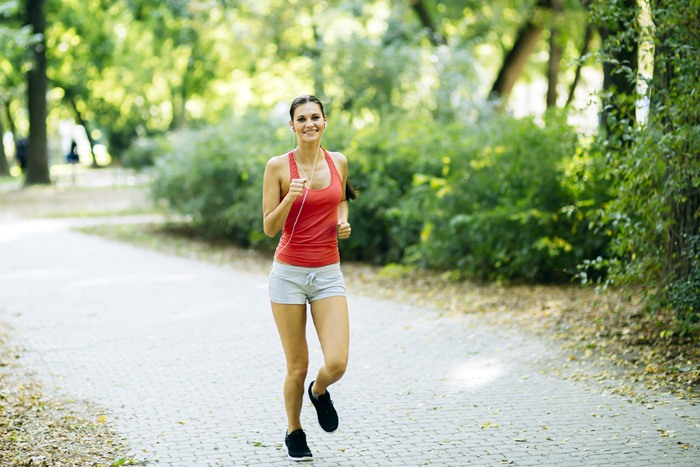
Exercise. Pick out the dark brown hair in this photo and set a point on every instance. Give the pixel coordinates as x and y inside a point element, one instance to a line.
<point>303,100</point>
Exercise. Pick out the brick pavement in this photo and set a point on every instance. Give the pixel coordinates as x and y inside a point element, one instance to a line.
<point>185,360</point>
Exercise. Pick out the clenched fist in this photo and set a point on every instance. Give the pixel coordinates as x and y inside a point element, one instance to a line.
<point>296,188</point>
<point>343,228</point>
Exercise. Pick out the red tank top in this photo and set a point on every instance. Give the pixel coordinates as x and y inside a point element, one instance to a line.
<point>314,242</point>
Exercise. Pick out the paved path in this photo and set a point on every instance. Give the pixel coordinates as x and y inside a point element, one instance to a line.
<point>185,358</point>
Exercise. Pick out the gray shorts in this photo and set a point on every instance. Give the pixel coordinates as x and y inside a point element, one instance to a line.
<point>295,285</point>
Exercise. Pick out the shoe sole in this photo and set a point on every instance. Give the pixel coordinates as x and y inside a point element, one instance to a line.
<point>300,459</point>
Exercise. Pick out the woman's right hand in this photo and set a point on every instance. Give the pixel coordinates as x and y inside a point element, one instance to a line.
<point>296,188</point>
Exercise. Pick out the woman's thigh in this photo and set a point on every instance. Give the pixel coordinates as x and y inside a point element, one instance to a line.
<point>330,316</point>
<point>291,325</point>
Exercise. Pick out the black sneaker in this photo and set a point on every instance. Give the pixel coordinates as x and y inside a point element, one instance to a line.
<point>297,449</point>
<point>327,416</point>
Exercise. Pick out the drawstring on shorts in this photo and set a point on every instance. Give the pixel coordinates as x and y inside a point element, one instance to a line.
<point>295,285</point>
<point>310,279</point>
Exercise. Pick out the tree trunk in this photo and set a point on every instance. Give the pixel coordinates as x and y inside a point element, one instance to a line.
<point>182,94</point>
<point>37,84</point>
<point>515,61</point>
<point>427,22</point>
<point>587,39</point>
<point>662,78</point>
<point>12,126</point>
<point>10,120</point>
<point>319,82</point>
<point>620,74</point>
<point>555,54</point>
<point>517,57</point>
<point>4,166</point>
<point>179,102</point>
<point>82,122</point>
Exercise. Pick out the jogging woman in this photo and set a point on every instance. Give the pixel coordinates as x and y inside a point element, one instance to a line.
<point>304,196</point>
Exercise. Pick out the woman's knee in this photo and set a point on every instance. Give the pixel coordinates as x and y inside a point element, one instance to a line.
<point>298,370</point>
<point>336,367</point>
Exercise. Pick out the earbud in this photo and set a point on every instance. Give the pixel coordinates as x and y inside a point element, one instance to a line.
<point>291,129</point>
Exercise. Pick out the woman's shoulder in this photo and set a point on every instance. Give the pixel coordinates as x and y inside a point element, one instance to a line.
<point>338,157</point>
<point>278,162</point>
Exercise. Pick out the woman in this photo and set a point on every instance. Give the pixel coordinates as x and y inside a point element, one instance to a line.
<point>304,196</point>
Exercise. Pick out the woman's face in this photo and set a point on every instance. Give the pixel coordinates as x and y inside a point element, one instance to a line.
<point>309,123</point>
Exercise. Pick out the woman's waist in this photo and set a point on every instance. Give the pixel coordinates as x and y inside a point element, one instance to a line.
<point>313,235</point>
<point>308,254</point>
<point>282,266</point>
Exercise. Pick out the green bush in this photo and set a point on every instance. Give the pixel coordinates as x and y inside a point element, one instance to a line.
<point>144,151</point>
<point>496,199</point>
<point>383,159</point>
<point>510,205</point>
<point>684,297</point>
<point>653,218</point>
<point>214,175</point>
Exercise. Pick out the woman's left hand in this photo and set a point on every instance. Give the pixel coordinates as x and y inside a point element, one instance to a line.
<point>343,228</point>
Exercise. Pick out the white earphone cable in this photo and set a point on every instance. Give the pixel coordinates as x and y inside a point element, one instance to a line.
<point>306,192</point>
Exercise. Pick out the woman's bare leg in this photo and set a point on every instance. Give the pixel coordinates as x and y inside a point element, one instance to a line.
<point>330,316</point>
<point>291,324</point>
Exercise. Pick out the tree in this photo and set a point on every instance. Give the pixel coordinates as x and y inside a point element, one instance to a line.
<point>80,48</point>
<point>16,40</point>
<point>6,103</point>
<point>427,22</point>
<point>619,31</point>
<point>585,47</point>
<point>675,110</point>
<point>555,54</point>
<point>514,61</point>
<point>654,217</point>
<point>4,166</point>
<point>37,84</point>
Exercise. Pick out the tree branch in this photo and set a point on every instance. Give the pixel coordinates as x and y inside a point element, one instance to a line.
<point>427,22</point>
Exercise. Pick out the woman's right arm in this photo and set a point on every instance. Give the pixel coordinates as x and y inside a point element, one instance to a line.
<point>275,207</point>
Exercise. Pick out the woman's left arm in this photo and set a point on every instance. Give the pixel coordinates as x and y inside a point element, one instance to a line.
<point>343,224</point>
<point>343,210</point>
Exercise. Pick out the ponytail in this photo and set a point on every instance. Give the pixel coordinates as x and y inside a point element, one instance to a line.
<point>350,191</point>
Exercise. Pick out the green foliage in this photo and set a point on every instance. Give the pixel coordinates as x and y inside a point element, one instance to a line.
<point>144,151</point>
<point>17,41</point>
<point>383,160</point>
<point>214,175</point>
<point>137,68</point>
<point>653,218</point>
<point>513,203</point>
<point>684,297</point>
<point>495,199</point>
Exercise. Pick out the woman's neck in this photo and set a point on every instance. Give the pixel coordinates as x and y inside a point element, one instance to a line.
<point>307,153</point>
